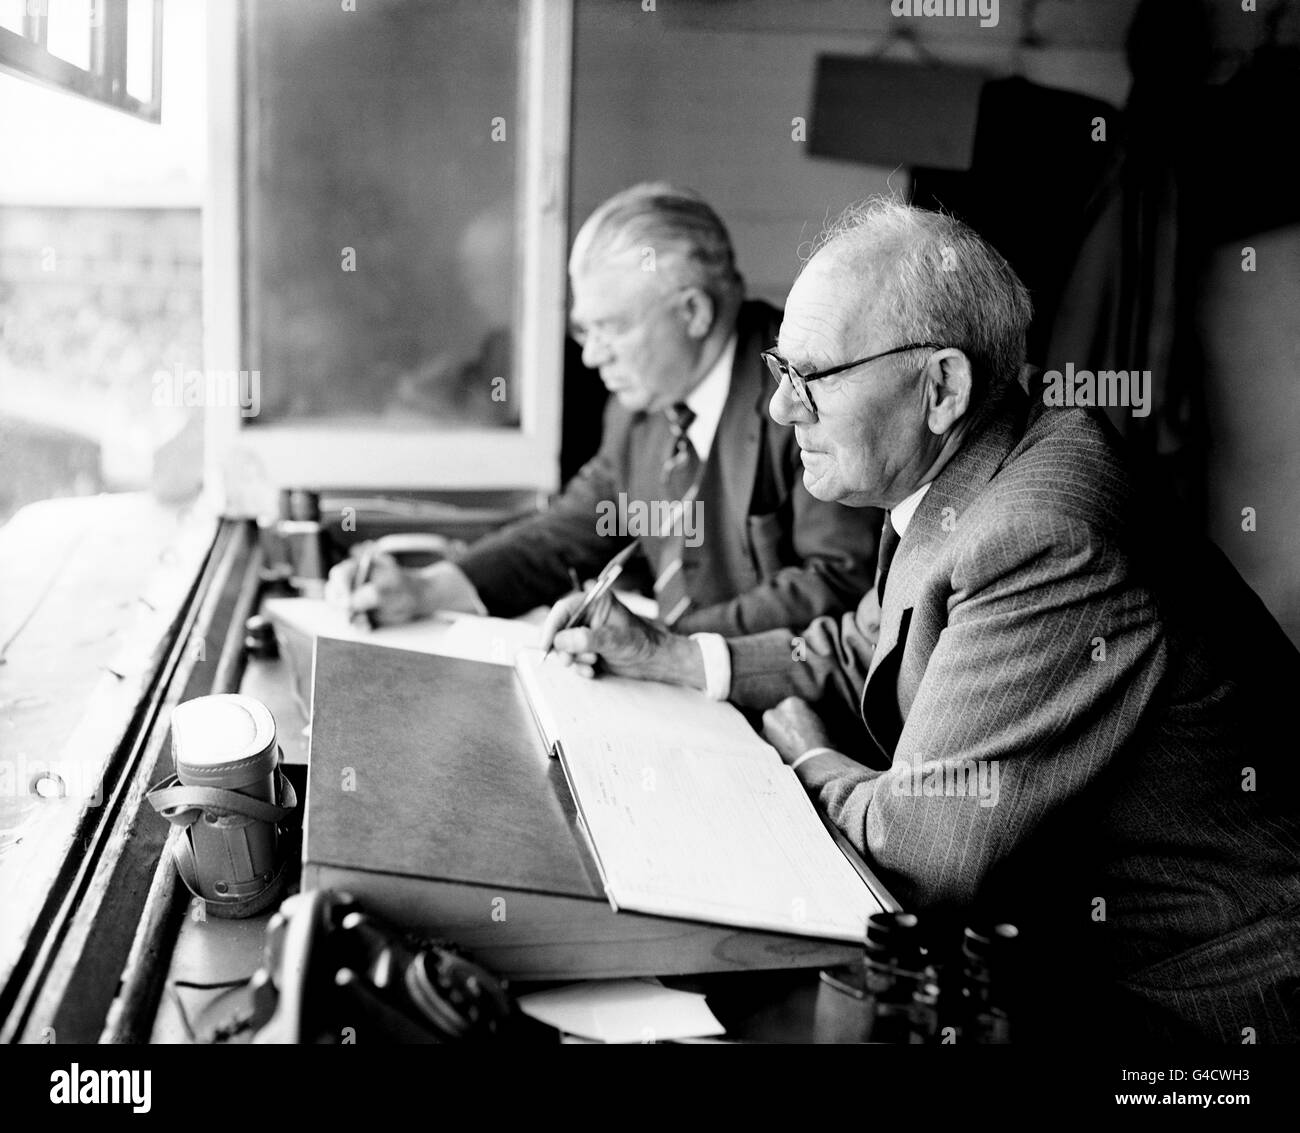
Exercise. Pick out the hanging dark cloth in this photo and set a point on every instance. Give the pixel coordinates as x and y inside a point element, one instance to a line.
<point>1034,168</point>
<point>1129,303</point>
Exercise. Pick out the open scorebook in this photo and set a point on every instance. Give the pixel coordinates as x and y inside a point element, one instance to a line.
<point>688,812</point>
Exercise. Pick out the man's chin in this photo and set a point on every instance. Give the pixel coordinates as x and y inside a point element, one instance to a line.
<point>631,399</point>
<point>829,490</point>
<point>820,486</point>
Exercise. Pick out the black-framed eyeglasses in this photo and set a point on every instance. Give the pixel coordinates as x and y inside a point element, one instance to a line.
<point>781,369</point>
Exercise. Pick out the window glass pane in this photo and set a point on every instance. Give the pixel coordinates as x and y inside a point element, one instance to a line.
<point>381,231</point>
<point>139,49</point>
<point>11,15</point>
<point>100,295</point>
<point>94,301</point>
<point>69,30</point>
<point>100,239</point>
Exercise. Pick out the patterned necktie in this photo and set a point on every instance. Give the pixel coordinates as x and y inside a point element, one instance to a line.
<point>680,417</point>
<point>681,472</point>
<point>888,545</point>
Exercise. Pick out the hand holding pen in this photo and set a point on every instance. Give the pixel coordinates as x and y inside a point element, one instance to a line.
<point>595,630</point>
<point>573,612</point>
<point>389,580</point>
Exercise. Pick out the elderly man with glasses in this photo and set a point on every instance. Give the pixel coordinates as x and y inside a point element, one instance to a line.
<point>1068,717</point>
<point>690,466</point>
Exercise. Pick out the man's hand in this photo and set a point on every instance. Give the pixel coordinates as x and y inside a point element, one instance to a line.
<point>621,643</point>
<point>398,593</point>
<point>793,728</point>
<point>393,593</point>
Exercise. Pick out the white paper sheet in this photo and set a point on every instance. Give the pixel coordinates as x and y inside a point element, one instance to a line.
<point>623,1011</point>
<point>569,705</point>
<point>684,831</point>
<point>493,640</point>
<point>689,813</point>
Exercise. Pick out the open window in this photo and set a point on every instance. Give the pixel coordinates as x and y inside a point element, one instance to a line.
<point>103,526</point>
<point>385,260</point>
<point>106,50</point>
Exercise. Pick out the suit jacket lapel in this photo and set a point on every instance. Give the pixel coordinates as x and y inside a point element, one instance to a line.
<point>997,430</point>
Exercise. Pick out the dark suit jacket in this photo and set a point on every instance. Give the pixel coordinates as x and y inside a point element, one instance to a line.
<point>1145,836</point>
<point>770,555</point>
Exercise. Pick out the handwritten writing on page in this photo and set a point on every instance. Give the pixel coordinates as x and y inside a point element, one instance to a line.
<point>683,831</point>
<point>689,813</point>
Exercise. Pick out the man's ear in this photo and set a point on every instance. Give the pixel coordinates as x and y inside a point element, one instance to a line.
<point>699,312</point>
<point>947,390</point>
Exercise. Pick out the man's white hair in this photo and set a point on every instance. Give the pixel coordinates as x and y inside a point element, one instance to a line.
<point>944,283</point>
<point>690,244</point>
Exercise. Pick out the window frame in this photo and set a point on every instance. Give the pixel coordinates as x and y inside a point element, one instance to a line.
<point>248,466</point>
<point>91,859</point>
<point>27,56</point>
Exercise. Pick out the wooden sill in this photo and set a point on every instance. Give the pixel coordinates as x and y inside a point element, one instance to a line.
<point>97,620</point>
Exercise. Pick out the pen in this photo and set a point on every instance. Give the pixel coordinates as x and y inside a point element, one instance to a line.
<point>577,586</point>
<point>607,577</point>
<point>363,619</point>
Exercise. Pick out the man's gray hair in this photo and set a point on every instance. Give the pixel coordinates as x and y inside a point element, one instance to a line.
<point>687,240</point>
<point>944,283</point>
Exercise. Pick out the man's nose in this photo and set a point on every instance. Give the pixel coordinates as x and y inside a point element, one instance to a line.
<point>785,408</point>
<point>595,353</point>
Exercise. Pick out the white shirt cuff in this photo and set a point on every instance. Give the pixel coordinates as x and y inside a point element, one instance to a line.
<point>717,664</point>
<point>453,590</point>
<point>811,753</point>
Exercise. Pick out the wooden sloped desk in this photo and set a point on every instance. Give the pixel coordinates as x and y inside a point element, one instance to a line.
<point>754,1006</point>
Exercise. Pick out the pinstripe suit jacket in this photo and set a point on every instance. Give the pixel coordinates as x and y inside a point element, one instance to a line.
<point>1144,834</point>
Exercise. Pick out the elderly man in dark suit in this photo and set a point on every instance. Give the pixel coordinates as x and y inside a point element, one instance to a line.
<point>689,463</point>
<point>1070,720</point>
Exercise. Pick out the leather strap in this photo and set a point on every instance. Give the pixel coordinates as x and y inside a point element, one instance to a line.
<point>187,867</point>
<point>183,806</point>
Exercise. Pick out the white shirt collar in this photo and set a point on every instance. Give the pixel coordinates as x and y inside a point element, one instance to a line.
<point>902,513</point>
<point>709,398</point>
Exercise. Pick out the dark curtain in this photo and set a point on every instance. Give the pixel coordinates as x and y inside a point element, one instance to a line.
<point>1199,165</point>
<point>1034,169</point>
<point>1130,299</point>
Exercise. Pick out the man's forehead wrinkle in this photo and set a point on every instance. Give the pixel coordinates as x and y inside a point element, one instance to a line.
<point>817,331</point>
<point>849,325</point>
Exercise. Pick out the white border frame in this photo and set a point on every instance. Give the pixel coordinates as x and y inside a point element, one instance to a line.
<point>245,467</point>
